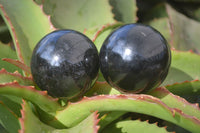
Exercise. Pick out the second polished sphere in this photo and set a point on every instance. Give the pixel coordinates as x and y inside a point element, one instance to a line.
<point>65,63</point>
<point>135,58</point>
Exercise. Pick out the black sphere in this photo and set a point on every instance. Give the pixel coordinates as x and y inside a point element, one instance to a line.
<point>135,58</point>
<point>65,63</point>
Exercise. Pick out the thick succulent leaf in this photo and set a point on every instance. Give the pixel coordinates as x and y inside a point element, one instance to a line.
<point>39,98</point>
<point>76,112</point>
<point>177,102</point>
<point>7,52</point>
<point>8,119</point>
<point>6,77</point>
<point>184,66</point>
<point>130,126</point>
<point>78,14</point>
<point>27,25</point>
<point>31,124</point>
<point>124,10</point>
<point>99,88</point>
<point>13,103</point>
<point>190,88</point>
<point>109,117</point>
<point>19,64</point>
<point>185,31</point>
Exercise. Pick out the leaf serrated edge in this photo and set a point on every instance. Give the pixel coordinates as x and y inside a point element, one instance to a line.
<point>175,113</point>
<point>21,120</point>
<point>18,49</point>
<point>166,91</point>
<point>19,64</point>
<point>50,105</point>
<point>187,81</point>
<point>195,106</point>
<point>104,28</point>
<point>156,124</point>
<point>48,16</point>
<point>15,74</point>
<point>96,121</point>
<point>30,88</point>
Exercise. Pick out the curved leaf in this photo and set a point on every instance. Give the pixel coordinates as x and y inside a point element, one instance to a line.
<point>13,103</point>
<point>185,66</point>
<point>108,118</point>
<point>39,98</point>
<point>7,52</point>
<point>8,120</point>
<point>6,77</point>
<point>138,126</point>
<point>185,31</point>
<point>19,64</point>
<point>27,25</point>
<point>76,112</point>
<point>78,14</point>
<point>191,88</point>
<point>31,124</point>
<point>124,10</point>
<point>177,102</point>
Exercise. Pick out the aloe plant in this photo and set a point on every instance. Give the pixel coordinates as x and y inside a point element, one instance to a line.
<point>24,108</point>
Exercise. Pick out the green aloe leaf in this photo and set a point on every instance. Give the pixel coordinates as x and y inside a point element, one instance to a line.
<point>185,31</point>
<point>26,25</point>
<point>187,88</point>
<point>8,120</point>
<point>177,102</point>
<point>108,118</point>
<point>124,10</point>
<point>13,103</point>
<point>76,112</point>
<point>184,67</point>
<point>7,52</point>
<point>6,77</point>
<point>128,126</point>
<point>78,14</point>
<point>31,123</point>
<point>39,98</point>
<point>19,64</point>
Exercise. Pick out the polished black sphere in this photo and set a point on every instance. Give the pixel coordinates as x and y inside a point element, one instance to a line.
<point>65,63</point>
<point>135,58</point>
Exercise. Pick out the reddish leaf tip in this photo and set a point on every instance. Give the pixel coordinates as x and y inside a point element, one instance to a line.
<point>48,17</point>
<point>21,120</point>
<point>14,33</point>
<point>18,64</point>
<point>96,121</point>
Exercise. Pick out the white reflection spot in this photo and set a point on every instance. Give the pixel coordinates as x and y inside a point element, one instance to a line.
<point>143,34</point>
<point>127,54</point>
<point>55,61</point>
